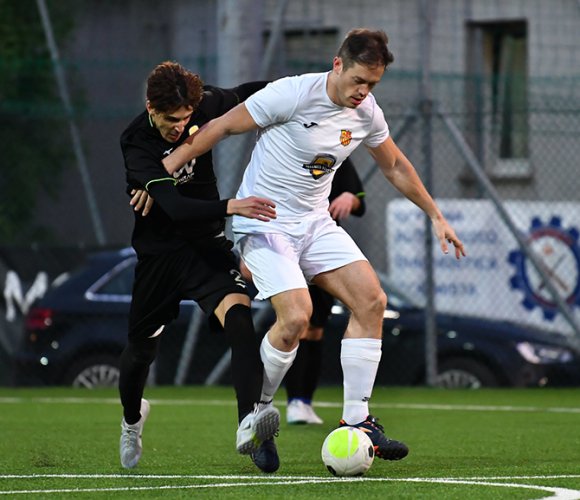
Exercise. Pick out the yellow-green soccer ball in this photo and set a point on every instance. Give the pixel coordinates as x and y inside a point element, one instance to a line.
<point>347,451</point>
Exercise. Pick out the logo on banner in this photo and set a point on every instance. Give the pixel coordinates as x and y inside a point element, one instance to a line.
<point>558,253</point>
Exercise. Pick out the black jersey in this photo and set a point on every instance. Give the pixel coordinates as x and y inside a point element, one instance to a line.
<point>187,210</point>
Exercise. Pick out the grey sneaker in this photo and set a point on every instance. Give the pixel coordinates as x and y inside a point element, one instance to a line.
<point>131,446</point>
<point>256,427</point>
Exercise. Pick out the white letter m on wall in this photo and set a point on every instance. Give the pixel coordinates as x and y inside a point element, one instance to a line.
<point>14,295</point>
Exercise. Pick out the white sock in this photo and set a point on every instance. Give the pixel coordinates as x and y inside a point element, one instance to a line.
<point>276,364</point>
<point>360,361</point>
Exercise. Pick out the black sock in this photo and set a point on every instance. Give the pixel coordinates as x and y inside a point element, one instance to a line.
<point>310,382</point>
<point>302,378</point>
<point>295,376</point>
<point>134,369</point>
<point>247,367</point>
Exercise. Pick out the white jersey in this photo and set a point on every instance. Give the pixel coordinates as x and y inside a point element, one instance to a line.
<point>304,138</point>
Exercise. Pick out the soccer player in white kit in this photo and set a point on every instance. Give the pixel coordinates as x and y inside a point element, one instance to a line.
<point>308,125</point>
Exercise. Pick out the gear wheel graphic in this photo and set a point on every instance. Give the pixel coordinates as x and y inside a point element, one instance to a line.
<point>559,254</point>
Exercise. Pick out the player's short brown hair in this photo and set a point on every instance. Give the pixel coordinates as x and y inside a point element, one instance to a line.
<point>170,86</point>
<point>366,47</point>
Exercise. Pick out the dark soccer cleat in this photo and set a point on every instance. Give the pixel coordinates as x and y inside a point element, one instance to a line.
<point>266,457</point>
<point>385,448</point>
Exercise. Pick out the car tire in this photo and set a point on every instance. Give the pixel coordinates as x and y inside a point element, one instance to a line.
<point>465,373</point>
<point>94,372</point>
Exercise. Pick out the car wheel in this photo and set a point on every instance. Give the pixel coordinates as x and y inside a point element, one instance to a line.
<point>461,373</point>
<point>95,372</point>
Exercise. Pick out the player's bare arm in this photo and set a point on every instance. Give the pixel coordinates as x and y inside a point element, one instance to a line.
<point>400,172</point>
<point>236,121</point>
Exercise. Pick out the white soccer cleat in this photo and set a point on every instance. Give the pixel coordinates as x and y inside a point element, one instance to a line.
<point>131,446</point>
<point>300,413</point>
<point>256,427</point>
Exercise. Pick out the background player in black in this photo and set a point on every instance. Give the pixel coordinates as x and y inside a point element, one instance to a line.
<point>346,198</point>
<point>183,252</point>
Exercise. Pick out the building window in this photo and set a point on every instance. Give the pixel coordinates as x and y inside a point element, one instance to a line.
<point>498,95</point>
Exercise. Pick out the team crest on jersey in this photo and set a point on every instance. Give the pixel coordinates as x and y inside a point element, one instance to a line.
<point>345,137</point>
<point>321,165</point>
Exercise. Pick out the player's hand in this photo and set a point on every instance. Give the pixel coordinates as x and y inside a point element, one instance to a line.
<point>253,207</point>
<point>342,206</point>
<point>446,234</point>
<point>141,201</point>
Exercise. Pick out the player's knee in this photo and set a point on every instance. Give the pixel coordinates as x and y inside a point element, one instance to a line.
<point>373,307</point>
<point>383,300</point>
<point>294,324</point>
<point>379,303</point>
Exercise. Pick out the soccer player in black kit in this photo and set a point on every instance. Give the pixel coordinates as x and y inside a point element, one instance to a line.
<point>183,254</point>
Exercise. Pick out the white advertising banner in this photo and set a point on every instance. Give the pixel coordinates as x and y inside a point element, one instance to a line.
<point>496,280</point>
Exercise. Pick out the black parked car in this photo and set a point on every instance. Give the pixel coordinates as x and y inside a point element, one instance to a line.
<point>76,332</point>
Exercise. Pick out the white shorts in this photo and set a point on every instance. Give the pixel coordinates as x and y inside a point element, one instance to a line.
<point>285,261</point>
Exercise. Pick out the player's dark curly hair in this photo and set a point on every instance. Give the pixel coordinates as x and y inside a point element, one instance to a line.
<point>366,47</point>
<point>170,86</point>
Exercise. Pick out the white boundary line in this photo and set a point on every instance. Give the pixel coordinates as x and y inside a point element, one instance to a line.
<point>556,492</point>
<point>321,404</point>
<point>240,476</point>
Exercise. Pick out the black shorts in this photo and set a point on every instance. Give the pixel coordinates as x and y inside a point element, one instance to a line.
<point>204,274</point>
<point>322,303</point>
